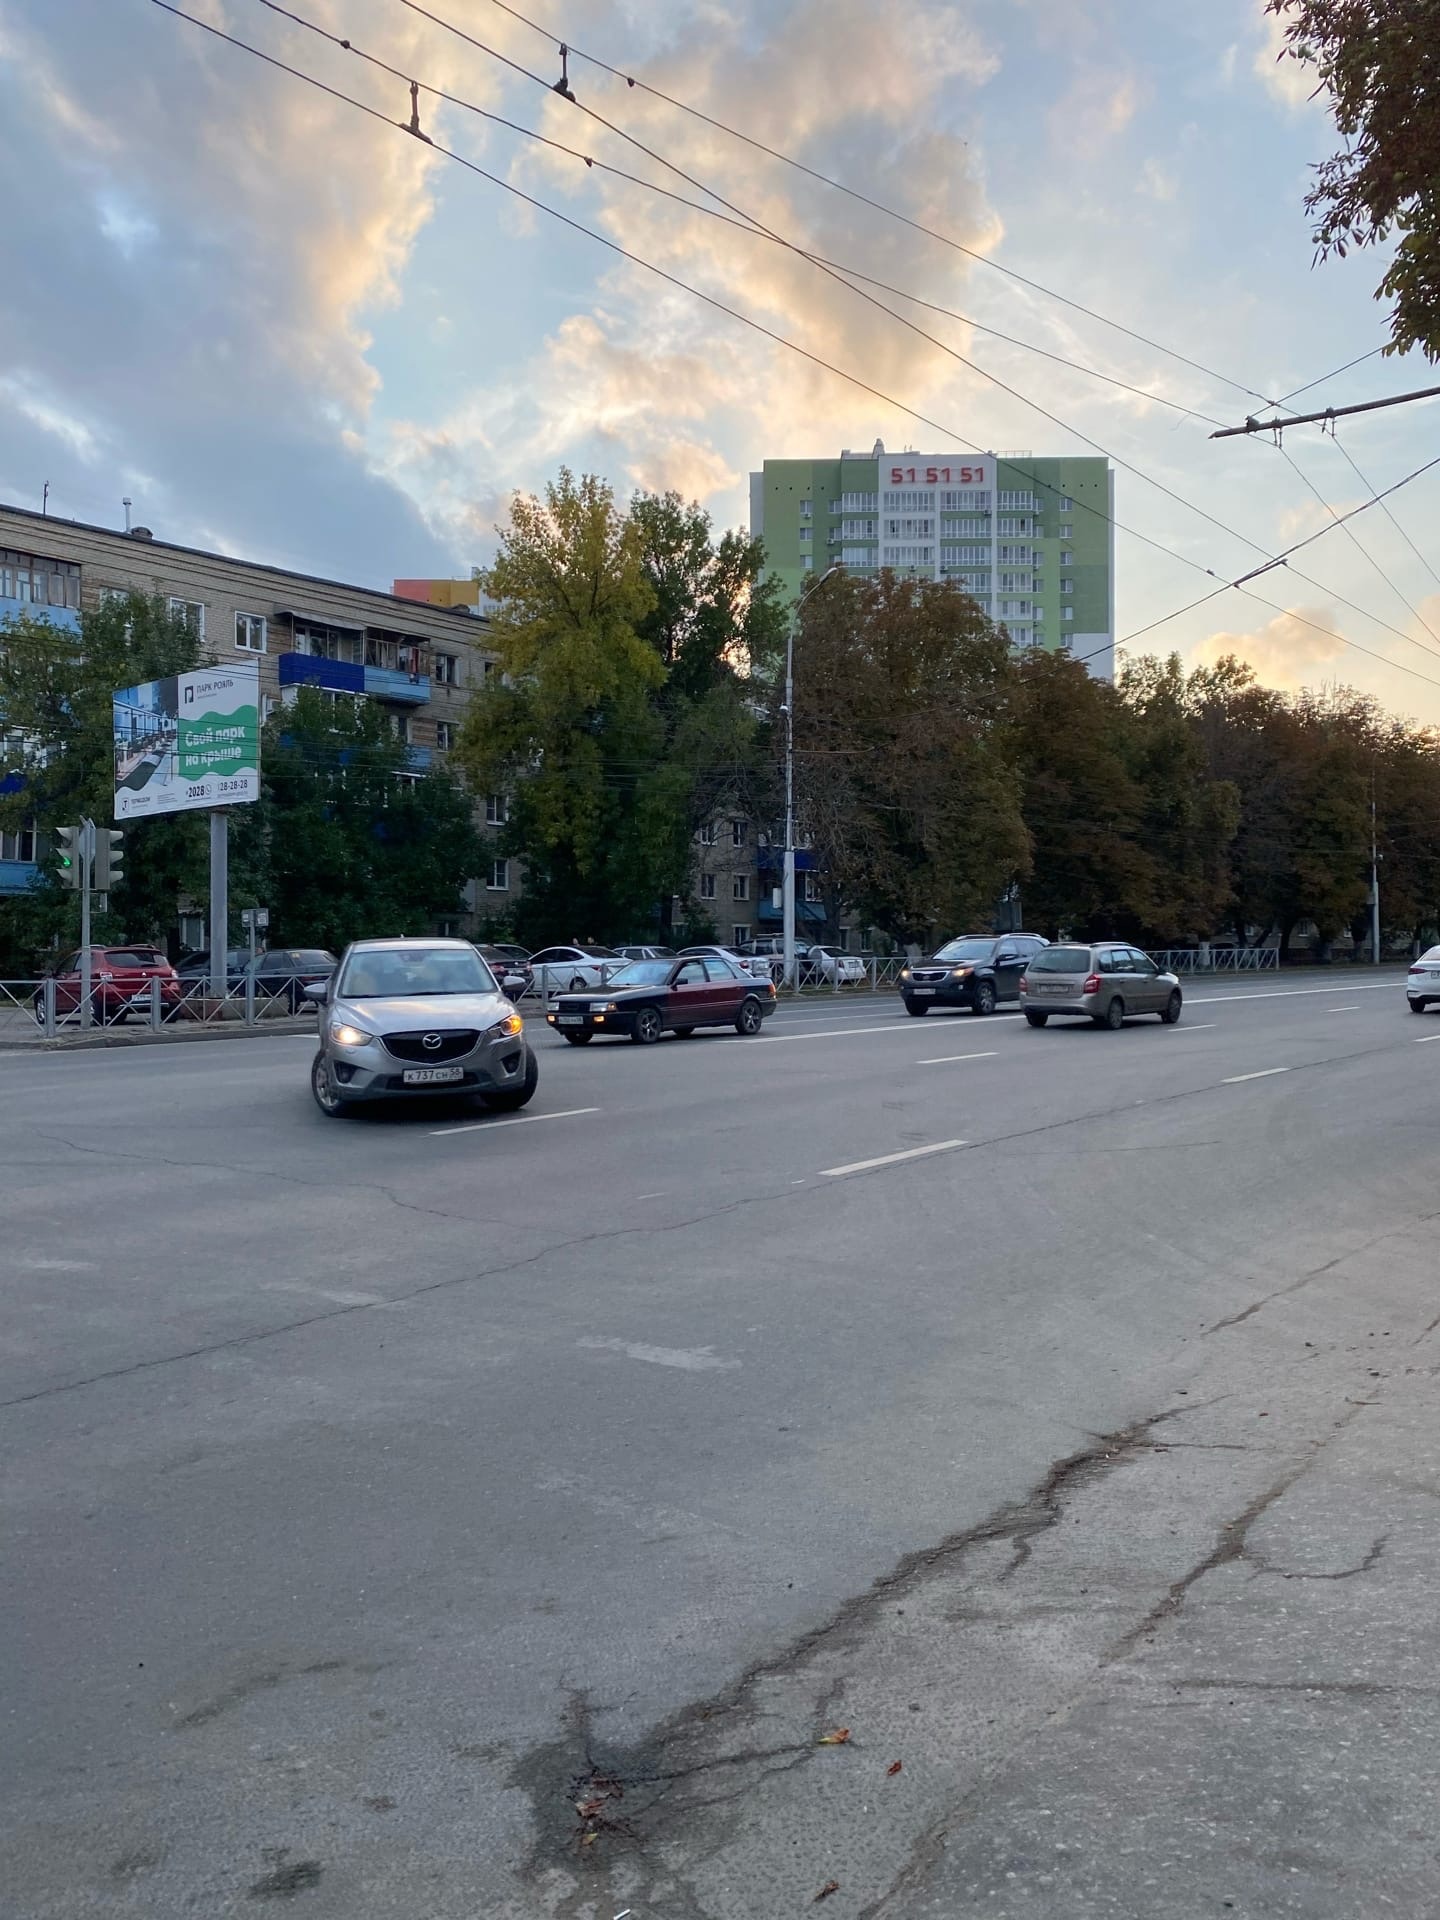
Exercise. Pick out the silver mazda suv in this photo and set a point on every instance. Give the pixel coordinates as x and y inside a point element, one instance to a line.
<point>407,1019</point>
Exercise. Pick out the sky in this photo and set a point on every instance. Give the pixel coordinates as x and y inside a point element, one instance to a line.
<point>289,330</point>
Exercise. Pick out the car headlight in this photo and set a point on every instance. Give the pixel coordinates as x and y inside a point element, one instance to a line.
<point>344,1036</point>
<point>904,973</point>
<point>503,1029</point>
<point>961,973</point>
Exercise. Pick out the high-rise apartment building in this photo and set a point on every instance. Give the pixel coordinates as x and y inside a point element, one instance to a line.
<point>1032,539</point>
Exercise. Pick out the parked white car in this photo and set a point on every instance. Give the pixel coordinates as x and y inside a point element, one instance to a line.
<point>570,969</point>
<point>842,969</point>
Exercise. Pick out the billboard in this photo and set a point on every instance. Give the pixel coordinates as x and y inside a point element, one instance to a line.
<point>192,740</point>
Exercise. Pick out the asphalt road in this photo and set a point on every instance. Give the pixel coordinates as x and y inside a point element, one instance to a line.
<point>419,1517</point>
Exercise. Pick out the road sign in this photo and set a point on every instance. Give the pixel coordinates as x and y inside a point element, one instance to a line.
<point>257,918</point>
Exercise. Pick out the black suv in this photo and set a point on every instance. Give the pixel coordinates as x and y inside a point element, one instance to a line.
<point>975,971</point>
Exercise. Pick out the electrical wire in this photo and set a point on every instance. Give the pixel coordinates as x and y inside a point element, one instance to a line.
<point>853,193</point>
<point>1345,453</point>
<point>1309,384</point>
<point>742,225</point>
<point>780,339</point>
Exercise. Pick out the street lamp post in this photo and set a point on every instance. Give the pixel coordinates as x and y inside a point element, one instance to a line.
<point>788,884</point>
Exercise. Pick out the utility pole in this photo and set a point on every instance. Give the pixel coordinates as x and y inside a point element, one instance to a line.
<point>219,901</point>
<point>1374,890</point>
<point>788,895</point>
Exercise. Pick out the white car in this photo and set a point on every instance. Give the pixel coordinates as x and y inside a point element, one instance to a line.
<point>571,969</point>
<point>845,969</point>
<point>756,965</point>
<point>1422,983</point>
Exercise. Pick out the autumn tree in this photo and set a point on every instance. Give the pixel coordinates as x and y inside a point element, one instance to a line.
<point>906,789</point>
<point>1378,63</point>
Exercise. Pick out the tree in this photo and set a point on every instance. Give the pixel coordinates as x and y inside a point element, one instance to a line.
<point>906,791</point>
<point>1379,63</point>
<point>620,715</point>
<point>344,842</point>
<point>55,694</point>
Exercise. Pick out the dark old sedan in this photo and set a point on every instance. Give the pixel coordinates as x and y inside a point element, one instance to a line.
<point>651,997</point>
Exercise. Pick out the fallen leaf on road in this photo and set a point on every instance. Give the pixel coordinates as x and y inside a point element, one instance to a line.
<point>830,1886</point>
<point>894,1767</point>
<point>587,1809</point>
<point>589,1839</point>
<point>836,1739</point>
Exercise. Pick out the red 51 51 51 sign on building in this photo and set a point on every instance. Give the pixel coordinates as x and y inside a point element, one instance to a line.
<point>937,476</point>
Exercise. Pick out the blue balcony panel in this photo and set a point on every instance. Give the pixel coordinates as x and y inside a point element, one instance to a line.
<point>387,683</point>
<point>308,670</point>
<point>65,617</point>
<point>808,913</point>
<point>418,759</point>
<point>18,876</point>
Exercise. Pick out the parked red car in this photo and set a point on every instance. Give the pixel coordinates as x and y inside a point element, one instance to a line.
<point>119,985</point>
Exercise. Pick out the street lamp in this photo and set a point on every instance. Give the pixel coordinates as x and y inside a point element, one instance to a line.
<point>789,712</point>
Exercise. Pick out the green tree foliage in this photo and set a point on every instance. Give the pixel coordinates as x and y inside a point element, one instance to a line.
<point>55,698</point>
<point>344,844</point>
<point>1376,60</point>
<point>908,794</point>
<point>620,715</point>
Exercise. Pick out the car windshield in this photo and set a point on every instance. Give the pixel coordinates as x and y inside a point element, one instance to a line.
<point>967,950</point>
<point>394,973</point>
<point>1060,960</point>
<point>642,973</point>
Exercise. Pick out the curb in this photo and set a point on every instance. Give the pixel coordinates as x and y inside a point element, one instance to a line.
<point>91,1042</point>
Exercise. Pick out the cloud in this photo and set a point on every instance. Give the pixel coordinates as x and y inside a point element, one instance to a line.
<point>1157,181</point>
<point>1287,652</point>
<point>1098,105</point>
<point>1286,80</point>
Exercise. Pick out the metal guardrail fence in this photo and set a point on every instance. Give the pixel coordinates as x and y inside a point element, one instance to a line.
<point>53,1007</point>
<point>1217,959</point>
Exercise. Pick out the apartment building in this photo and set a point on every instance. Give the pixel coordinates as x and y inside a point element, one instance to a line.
<point>418,660</point>
<point>1032,539</point>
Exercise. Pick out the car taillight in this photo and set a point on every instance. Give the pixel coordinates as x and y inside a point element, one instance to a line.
<point>1024,984</point>
<point>1417,969</point>
<point>1092,983</point>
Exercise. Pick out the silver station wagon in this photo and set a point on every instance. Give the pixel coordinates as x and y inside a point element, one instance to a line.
<point>1106,982</point>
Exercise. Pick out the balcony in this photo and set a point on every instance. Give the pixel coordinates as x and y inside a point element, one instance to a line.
<point>309,670</point>
<point>17,876</point>
<point>65,617</point>
<point>418,759</point>
<point>395,684</point>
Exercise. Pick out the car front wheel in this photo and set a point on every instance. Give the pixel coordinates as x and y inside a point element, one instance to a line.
<point>648,1027</point>
<point>511,1099</point>
<point>751,1017</point>
<point>322,1085</point>
<point>917,1009</point>
<point>985,997</point>
<point>1172,1009</point>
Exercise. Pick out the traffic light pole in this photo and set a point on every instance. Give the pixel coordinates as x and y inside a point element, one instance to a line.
<point>219,902</point>
<point>87,863</point>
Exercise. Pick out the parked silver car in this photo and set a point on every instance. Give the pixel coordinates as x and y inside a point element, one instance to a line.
<point>405,1019</point>
<point>1105,982</point>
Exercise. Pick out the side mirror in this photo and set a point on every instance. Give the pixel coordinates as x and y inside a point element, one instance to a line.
<point>318,991</point>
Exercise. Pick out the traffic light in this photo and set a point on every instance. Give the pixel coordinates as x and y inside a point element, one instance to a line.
<point>70,849</point>
<point>109,858</point>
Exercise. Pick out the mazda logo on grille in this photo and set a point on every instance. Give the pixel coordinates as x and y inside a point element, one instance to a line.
<point>431,1041</point>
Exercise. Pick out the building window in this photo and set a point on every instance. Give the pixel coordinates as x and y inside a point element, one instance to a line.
<point>38,582</point>
<point>191,611</point>
<point>1067,613</point>
<point>857,529</point>
<point>843,942</point>
<point>250,632</point>
<point>812,888</point>
<point>806,535</point>
<point>806,509</point>
<point>807,562</point>
<point>1067,587</point>
<point>19,846</point>
<point>1025,501</point>
<point>911,500</point>
<point>447,669</point>
<point>706,835</point>
<point>856,503</point>
<point>739,832</point>
<point>1066,504</point>
<point>499,881</point>
<point>966,500</point>
<point>965,556</point>
<point>741,887</point>
<point>909,557</point>
<point>857,557</point>
<point>1067,559</point>
<point>707,886</point>
<point>911,529</point>
<point>497,807</point>
<point>444,735</point>
<point>1010,524</point>
<point>267,705</point>
<point>1065,531</point>
<point>739,934</point>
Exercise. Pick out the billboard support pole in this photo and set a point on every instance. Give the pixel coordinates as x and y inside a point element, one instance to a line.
<point>87,862</point>
<point>219,901</point>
